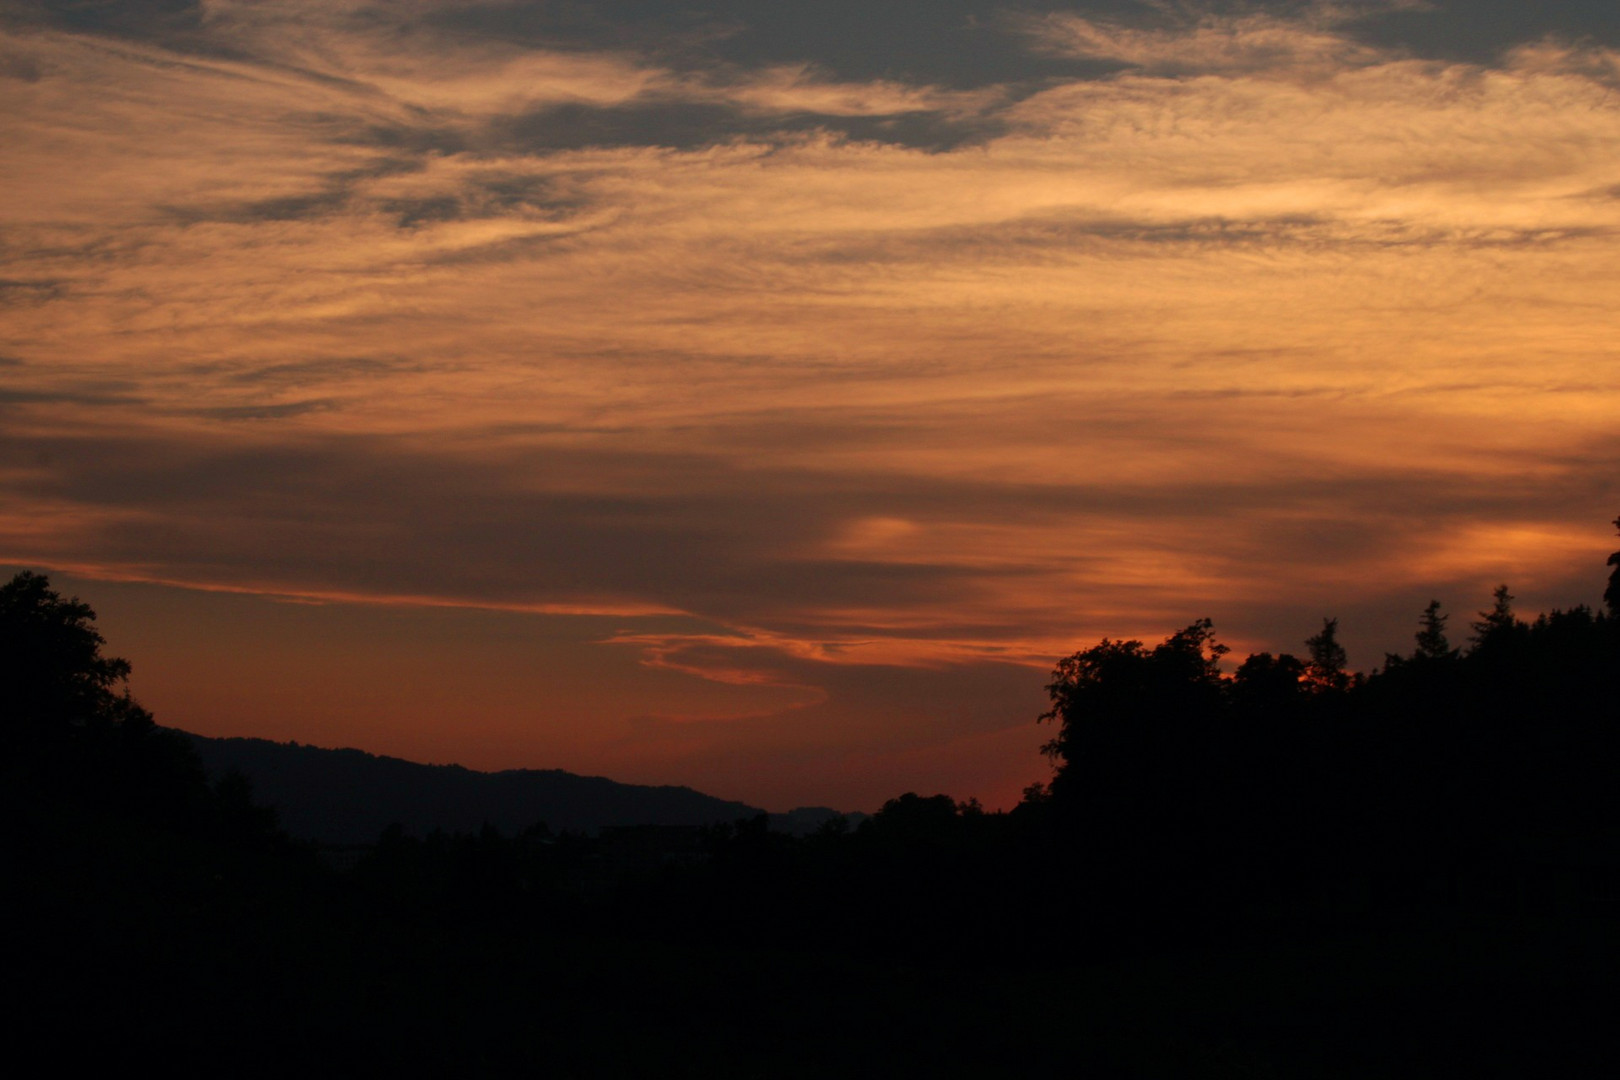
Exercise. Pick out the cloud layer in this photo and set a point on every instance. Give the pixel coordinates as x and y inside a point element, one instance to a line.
<point>813,365</point>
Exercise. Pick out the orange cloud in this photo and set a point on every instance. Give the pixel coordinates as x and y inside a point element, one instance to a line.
<point>346,309</point>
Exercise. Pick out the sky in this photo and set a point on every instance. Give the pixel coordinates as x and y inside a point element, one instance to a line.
<point>763,395</point>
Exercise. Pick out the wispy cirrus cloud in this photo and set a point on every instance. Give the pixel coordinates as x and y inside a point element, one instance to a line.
<point>848,371</point>
<point>1197,39</point>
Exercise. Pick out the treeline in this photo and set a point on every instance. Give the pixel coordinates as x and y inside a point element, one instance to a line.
<point>1278,861</point>
<point>1470,777</point>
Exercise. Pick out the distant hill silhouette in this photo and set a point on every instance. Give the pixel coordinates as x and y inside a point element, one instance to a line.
<point>810,819</point>
<point>350,796</point>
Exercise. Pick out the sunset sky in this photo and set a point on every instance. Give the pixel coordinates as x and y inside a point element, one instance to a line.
<point>761,395</point>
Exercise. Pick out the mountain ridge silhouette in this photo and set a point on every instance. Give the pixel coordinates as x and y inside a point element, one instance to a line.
<point>349,796</point>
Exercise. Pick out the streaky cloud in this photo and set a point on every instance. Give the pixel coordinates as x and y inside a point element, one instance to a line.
<point>843,352</point>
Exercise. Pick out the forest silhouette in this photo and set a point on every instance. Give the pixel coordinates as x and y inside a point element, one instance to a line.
<point>1277,867</point>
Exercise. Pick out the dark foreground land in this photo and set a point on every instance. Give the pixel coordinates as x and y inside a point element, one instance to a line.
<point>1288,870</point>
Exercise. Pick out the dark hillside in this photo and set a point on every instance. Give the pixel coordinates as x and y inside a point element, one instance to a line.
<point>350,796</point>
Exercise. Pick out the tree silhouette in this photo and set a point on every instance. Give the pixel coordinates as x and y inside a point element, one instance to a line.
<point>1611,595</point>
<point>1326,671</point>
<point>53,679</point>
<point>1115,686</point>
<point>1498,623</point>
<point>1268,687</point>
<point>1137,748</point>
<point>70,733</point>
<point>1431,635</point>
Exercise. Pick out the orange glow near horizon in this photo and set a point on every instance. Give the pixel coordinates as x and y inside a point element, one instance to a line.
<point>1266,321</point>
